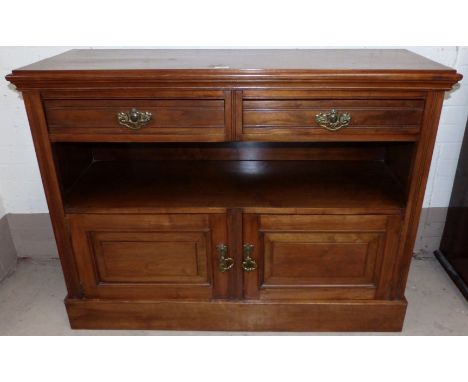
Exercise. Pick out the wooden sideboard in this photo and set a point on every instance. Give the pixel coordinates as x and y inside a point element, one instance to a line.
<point>235,189</point>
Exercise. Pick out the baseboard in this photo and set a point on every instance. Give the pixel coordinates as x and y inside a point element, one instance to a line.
<point>453,274</point>
<point>33,235</point>
<point>7,250</point>
<point>329,316</point>
<point>430,229</point>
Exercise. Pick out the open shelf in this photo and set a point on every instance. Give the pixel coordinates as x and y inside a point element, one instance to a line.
<point>145,186</point>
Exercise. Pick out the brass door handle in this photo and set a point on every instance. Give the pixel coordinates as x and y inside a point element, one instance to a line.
<point>333,120</point>
<point>134,119</point>
<point>248,264</point>
<point>225,262</point>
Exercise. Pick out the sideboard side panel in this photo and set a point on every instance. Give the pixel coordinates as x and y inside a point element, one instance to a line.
<point>38,124</point>
<point>419,174</point>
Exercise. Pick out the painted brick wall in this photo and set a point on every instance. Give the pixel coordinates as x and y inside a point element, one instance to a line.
<point>21,188</point>
<point>450,133</point>
<point>20,183</point>
<point>447,149</point>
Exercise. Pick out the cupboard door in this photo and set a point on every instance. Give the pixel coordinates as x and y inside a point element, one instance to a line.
<point>319,256</point>
<point>150,256</point>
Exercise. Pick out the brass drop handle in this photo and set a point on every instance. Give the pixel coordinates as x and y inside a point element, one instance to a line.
<point>333,120</point>
<point>225,262</point>
<point>134,119</point>
<point>248,264</point>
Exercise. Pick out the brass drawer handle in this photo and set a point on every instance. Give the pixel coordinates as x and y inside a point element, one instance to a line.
<point>134,119</point>
<point>225,263</point>
<point>333,120</point>
<point>248,264</point>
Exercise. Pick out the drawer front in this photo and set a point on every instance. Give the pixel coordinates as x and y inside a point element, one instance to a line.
<point>320,257</point>
<point>149,256</point>
<point>138,119</point>
<point>296,119</point>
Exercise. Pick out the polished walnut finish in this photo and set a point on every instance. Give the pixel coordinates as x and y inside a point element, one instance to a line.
<point>146,186</point>
<point>149,256</point>
<point>293,120</point>
<point>313,257</point>
<point>185,119</point>
<point>235,189</point>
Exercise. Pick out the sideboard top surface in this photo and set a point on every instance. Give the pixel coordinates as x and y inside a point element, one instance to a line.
<point>241,59</point>
<point>91,66</point>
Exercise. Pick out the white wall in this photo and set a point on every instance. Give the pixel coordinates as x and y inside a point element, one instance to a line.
<point>20,184</point>
<point>451,128</point>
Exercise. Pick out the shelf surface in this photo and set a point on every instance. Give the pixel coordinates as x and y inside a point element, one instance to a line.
<point>147,186</point>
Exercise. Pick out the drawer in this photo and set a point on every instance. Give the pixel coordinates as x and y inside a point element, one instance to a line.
<point>338,119</point>
<point>137,119</point>
<point>149,256</point>
<point>320,256</point>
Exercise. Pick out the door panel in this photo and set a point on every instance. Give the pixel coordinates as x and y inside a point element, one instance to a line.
<point>150,256</point>
<point>320,257</point>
